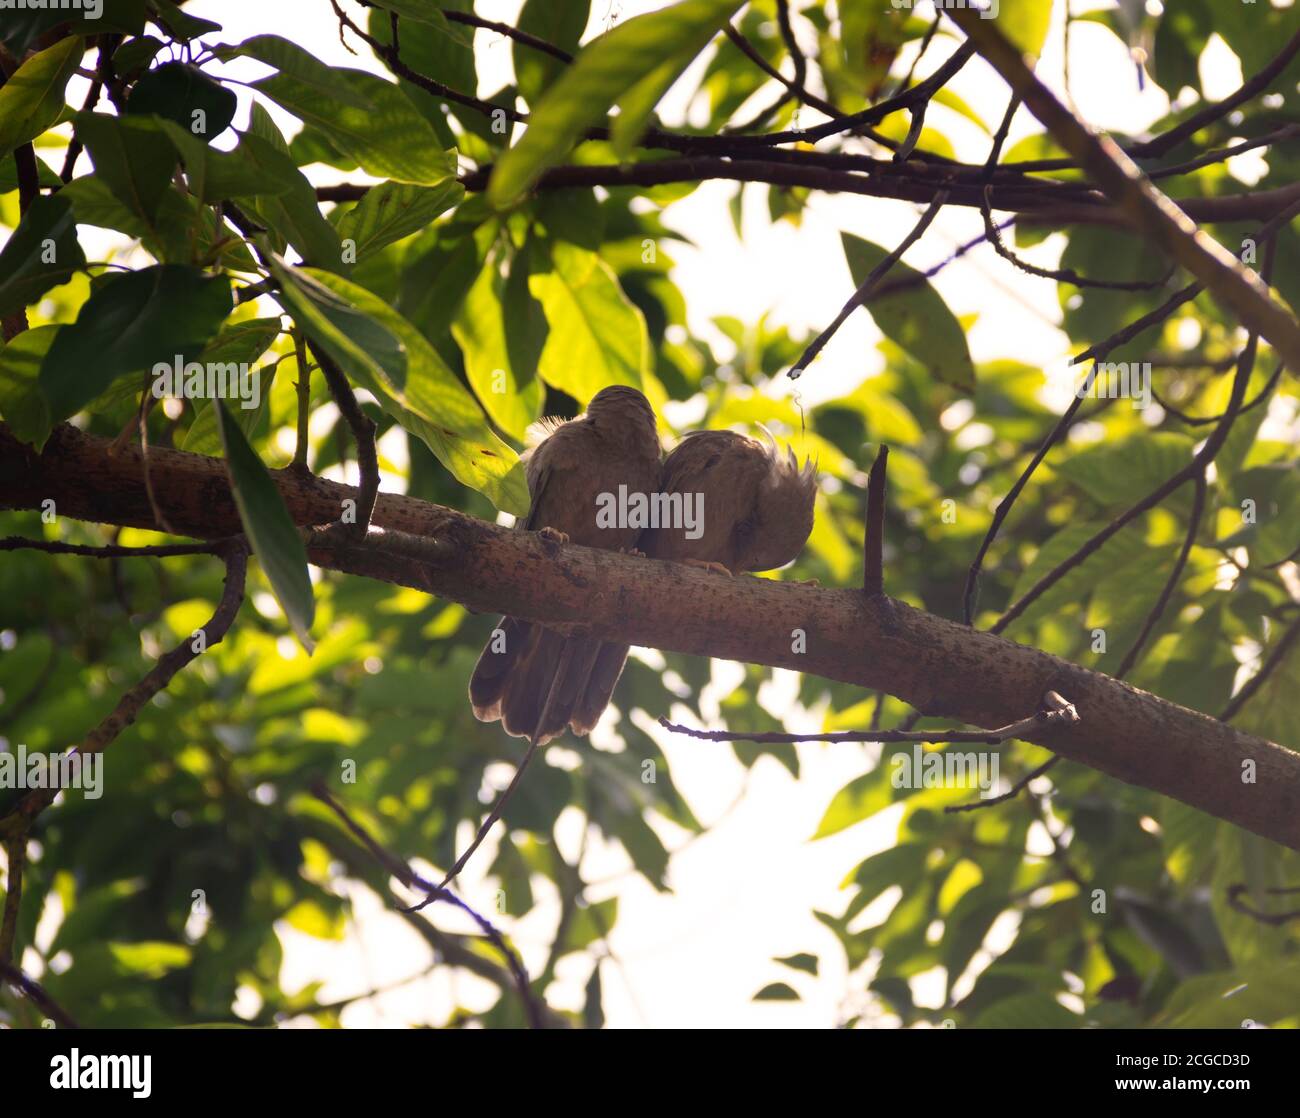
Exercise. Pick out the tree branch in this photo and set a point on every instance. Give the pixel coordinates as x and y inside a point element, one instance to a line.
<point>878,643</point>
<point>1231,283</point>
<point>1040,204</point>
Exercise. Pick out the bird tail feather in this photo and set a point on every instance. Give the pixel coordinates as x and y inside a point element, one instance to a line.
<point>521,665</point>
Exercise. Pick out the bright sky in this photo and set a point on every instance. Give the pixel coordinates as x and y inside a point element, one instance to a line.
<point>745,892</point>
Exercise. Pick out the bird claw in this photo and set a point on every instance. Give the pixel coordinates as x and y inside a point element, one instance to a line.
<point>708,565</point>
<point>808,582</point>
<point>632,551</point>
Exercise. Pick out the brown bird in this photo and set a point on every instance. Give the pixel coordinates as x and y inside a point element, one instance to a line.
<point>754,505</point>
<point>570,475</point>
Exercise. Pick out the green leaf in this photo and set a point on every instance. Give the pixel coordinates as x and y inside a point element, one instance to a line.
<point>1265,994</point>
<point>777,992</point>
<point>92,920</point>
<point>241,344</point>
<point>511,396</point>
<point>179,233</point>
<point>862,797</point>
<point>802,961</point>
<point>132,322</point>
<point>605,71</point>
<point>180,92</point>
<point>390,358</point>
<point>1025,23</point>
<point>388,137</point>
<point>42,253</point>
<point>1028,1011</point>
<point>430,12</point>
<point>182,25</point>
<point>441,49</point>
<point>901,865</point>
<point>597,336</point>
<point>390,211</point>
<point>132,156</point>
<point>637,105</point>
<point>294,217</point>
<point>32,99</point>
<point>310,917</point>
<point>270,529</point>
<point>1114,473</point>
<point>22,406</point>
<point>525,319</point>
<point>148,960</point>
<point>1124,557</point>
<point>135,54</point>
<point>560,25</point>
<point>45,174</point>
<point>304,68</point>
<point>255,167</point>
<point>589,924</point>
<point>915,318</point>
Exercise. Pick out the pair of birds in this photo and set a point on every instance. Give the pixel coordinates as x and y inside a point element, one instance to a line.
<point>757,512</point>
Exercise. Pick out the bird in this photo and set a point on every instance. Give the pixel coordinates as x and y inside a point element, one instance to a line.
<point>756,503</point>
<point>580,462</point>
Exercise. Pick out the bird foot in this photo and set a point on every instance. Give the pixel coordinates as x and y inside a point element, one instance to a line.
<point>808,582</point>
<point>551,539</point>
<point>632,551</point>
<point>708,565</point>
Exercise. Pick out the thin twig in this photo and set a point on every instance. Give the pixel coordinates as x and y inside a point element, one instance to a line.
<point>1203,420</point>
<point>75,145</point>
<point>469,19</point>
<point>363,434</point>
<point>304,400</point>
<point>864,292</point>
<point>34,992</point>
<point>909,98</point>
<point>111,551</point>
<point>1193,524</point>
<point>1240,889</point>
<point>1033,724</point>
<point>873,544</point>
<point>535,741</point>
<point>1234,286</point>
<point>1208,115</point>
<point>402,870</point>
<point>129,706</point>
<point>1203,457</point>
<point>16,856</point>
<point>1020,785</point>
<point>1275,658</point>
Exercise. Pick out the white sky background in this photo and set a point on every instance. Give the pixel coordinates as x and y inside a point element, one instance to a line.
<point>745,892</point>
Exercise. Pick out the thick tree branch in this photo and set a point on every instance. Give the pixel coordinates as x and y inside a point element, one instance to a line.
<point>1231,283</point>
<point>1042,204</point>
<point>876,643</point>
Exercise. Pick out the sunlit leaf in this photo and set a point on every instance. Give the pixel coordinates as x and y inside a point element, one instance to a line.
<point>270,529</point>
